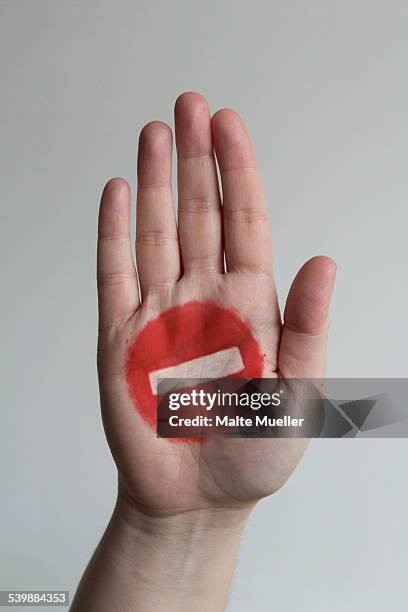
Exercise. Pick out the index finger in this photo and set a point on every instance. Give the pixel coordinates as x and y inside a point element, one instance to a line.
<point>245,213</point>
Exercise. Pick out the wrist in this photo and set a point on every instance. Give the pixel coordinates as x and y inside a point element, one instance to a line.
<point>178,527</point>
<point>183,561</point>
<point>175,562</point>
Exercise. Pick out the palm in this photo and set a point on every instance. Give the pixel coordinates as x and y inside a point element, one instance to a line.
<point>157,474</point>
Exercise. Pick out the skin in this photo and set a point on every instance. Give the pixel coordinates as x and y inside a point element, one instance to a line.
<point>174,534</point>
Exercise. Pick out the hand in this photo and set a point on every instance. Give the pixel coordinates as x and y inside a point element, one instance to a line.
<point>182,505</point>
<point>184,264</point>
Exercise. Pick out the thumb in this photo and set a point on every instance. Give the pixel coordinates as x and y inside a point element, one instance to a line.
<point>302,350</point>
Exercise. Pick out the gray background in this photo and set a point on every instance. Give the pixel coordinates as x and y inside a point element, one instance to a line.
<point>323,87</point>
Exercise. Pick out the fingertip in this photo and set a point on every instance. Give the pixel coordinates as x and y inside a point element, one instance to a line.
<point>193,125</point>
<point>114,210</point>
<point>153,136</point>
<point>190,100</point>
<point>228,119</point>
<point>227,123</point>
<point>116,187</point>
<point>320,266</point>
<point>154,155</point>
<point>323,260</point>
<point>226,114</point>
<point>231,140</point>
<point>310,295</point>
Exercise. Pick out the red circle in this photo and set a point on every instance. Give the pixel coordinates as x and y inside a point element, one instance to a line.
<point>183,333</point>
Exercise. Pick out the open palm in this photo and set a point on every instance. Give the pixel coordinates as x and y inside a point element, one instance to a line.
<point>183,262</point>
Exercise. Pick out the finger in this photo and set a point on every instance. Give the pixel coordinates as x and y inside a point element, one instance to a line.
<point>199,205</point>
<point>246,227</point>
<point>302,351</point>
<point>118,294</point>
<point>157,248</point>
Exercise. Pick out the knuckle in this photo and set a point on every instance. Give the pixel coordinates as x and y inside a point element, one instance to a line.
<point>198,205</point>
<point>246,214</point>
<point>158,287</point>
<point>113,278</point>
<point>156,238</point>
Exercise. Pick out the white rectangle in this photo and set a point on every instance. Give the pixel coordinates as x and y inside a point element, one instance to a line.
<point>217,365</point>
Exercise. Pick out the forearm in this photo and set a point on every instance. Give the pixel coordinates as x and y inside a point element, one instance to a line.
<point>178,563</point>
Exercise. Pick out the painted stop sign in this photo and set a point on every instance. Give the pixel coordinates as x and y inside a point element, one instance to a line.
<point>193,340</point>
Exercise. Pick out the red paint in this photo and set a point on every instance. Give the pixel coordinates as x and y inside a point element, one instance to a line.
<point>183,333</point>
